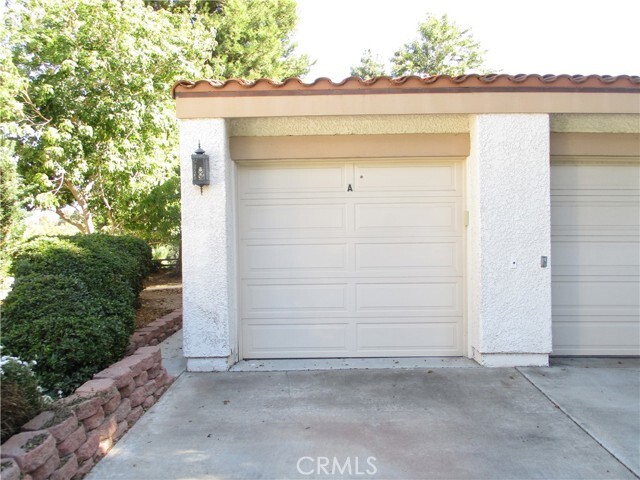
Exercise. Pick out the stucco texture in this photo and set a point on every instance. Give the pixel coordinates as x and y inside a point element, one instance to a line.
<point>509,308</point>
<point>595,123</point>
<point>348,125</point>
<point>208,295</point>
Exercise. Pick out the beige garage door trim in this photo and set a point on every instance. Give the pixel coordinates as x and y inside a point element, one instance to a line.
<point>351,258</point>
<point>595,216</point>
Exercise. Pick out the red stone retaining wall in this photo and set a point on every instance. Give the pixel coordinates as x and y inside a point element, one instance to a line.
<point>155,332</point>
<point>63,447</point>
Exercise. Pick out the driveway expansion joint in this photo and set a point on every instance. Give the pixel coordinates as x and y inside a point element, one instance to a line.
<point>575,421</point>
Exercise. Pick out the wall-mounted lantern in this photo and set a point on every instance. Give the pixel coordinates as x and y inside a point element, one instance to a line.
<point>200,164</point>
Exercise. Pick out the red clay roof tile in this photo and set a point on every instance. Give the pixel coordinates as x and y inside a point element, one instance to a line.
<point>412,84</point>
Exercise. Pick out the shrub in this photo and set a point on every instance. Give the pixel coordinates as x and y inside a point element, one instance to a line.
<point>72,305</point>
<point>101,261</point>
<point>19,395</point>
<point>131,256</point>
<point>54,320</point>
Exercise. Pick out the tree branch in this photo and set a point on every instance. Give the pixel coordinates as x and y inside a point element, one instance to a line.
<point>78,225</point>
<point>27,100</point>
<point>105,200</point>
<point>82,203</point>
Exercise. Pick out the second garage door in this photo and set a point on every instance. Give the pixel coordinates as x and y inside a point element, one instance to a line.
<point>351,258</point>
<point>595,238</point>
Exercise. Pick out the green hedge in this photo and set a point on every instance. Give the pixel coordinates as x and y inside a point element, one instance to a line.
<point>72,305</point>
<point>98,260</point>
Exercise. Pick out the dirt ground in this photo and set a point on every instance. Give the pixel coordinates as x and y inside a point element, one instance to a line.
<point>162,294</point>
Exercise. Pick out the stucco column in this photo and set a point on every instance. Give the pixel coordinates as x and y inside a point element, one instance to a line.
<point>207,249</point>
<point>509,293</point>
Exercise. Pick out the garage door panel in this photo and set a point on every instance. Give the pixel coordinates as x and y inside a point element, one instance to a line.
<point>410,177</point>
<point>401,218</point>
<point>403,337</point>
<point>278,219</point>
<point>279,258</point>
<point>296,339</point>
<point>596,336</point>
<point>380,259</point>
<point>588,257</point>
<point>607,178</point>
<point>441,298</point>
<point>285,298</point>
<point>593,218</point>
<point>581,297</point>
<point>443,258</point>
<point>270,180</point>
<point>592,292</point>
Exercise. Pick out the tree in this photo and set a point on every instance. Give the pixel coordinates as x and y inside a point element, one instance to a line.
<point>10,110</point>
<point>98,121</point>
<point>442,48</point>
<point>254,40</point>
<point>10,213</point>
<point>370,66</point>
<point>253,37</point>
<point>99,134</point>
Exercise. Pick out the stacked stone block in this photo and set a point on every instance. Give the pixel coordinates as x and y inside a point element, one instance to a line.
<point>66,442</point>
<point>156,331</point>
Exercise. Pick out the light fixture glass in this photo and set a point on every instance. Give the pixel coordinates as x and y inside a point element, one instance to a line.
<point>200,165</point>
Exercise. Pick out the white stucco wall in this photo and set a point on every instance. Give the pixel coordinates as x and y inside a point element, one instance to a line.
<point>509,309</point>
<point>208,248</point>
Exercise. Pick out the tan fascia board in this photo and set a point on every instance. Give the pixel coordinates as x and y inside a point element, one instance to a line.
<point>595,144</point>
<point>191,105</point>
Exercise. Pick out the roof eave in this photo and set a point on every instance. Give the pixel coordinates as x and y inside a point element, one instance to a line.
<point>410,84</point>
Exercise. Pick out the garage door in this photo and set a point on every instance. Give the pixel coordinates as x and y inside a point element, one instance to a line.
<point>351,258</point>
<point>595,216</point>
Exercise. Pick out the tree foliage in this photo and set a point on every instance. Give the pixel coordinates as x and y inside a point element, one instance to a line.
<point>10,111</point>
<point>10,211</point>
<point>97,133</point>
<point>253,37</point>
<point>98,126</point>
<point>254,40</point>
<point>441,48</point>
<point>370,66</point>
<point>11,82</point>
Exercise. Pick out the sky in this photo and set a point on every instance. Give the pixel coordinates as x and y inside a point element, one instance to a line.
<point>542,36</point>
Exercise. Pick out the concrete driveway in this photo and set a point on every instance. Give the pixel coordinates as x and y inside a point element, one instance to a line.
<point>564,422</point>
